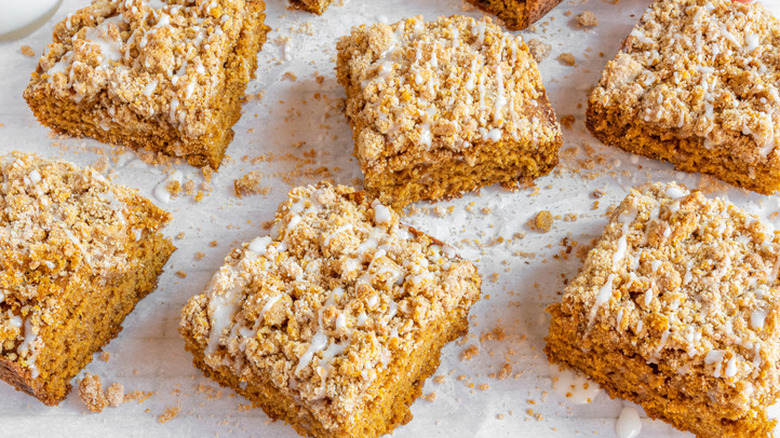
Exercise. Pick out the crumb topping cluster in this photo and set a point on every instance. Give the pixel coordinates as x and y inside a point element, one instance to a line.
<point>419,88</point>
<point>705,70</point>
<point>322,308</point>
<point>58,225</point>
<point>155,58</point>
<point>691,282</point>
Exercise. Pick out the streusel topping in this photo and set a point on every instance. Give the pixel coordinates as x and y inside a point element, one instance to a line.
<point>422,87</point>
<point>156,58</point>
<point>708,70</point>
<point>58,225</point>
<point>327,303</point>
<point>691,282</point>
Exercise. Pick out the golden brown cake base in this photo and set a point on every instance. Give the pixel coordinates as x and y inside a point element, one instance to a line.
<point>393,397</point>
<point>677,308</point>
<point>334,323</point>
<point>517,14</point>
<point>189,115</point>
<point>441,108</point>
<point>81,295</point>
<point>704,101</point>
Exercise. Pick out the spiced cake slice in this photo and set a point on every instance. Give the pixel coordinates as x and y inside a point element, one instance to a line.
<point>517,14</point>
<point>444,107</point>
<point>333,322</point>
<point>76,254</point>
<point>165,76</point>
<point>677,309</point>
<point>696,84</point>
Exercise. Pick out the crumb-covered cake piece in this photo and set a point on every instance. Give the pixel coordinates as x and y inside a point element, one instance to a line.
<point>696,84</point>
<point>76,254</point>
<point>314,6</point>
<point>517,14</point>
<point>444,107</point>
<point>333,322</point>
<point>677,309</point>
<point>151,74</point>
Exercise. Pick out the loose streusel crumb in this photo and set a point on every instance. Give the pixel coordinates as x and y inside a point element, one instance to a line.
<point>567,59</point>
<point>249,184</point>
<point>539,50</point>
<point>469,352</point>
<point>115,394</point>
<point>27,51</point>
<point>567,121</point>
<point>169,414</point>
<point>587,19</point>
<point>543,221</point>
<point>105,356</point>
<point>91,393</point>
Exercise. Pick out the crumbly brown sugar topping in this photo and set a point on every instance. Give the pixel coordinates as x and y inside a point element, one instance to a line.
<point>58,224</point>
<point>703,69</point>
<point>694,279</point>
<point>159,59</point>
<point>445,84</point>
<point>331,300</point>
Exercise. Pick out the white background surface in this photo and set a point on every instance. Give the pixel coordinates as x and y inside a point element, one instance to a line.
<point>149,354</point>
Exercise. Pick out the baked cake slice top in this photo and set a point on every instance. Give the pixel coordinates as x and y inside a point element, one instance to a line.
<point>692,284</point>
<point>60,227</point>
<point>148,56</point>
<point>418,87</point>
<point>339,293</point>
<point>706,69</point>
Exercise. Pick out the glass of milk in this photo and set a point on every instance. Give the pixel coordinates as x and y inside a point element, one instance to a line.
<point>21,17</point>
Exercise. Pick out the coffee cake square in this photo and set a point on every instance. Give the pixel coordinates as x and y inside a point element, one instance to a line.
<point>333,322</point>
<point>677,308</point>
<point>154,75</point>
<point>444,107</point>
<point>695,84</point>
<point>76,254</point>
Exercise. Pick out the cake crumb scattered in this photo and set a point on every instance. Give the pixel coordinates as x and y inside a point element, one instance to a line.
<point>469,352</point>
<point>199,255</point>
<point>169,414</point>
<point>181,274</point>
<point>249,184</point>
<point>539,50</point>
<point>587,19</point>
<point>543,221</point>
<point>430,397</point>
<point>567,59</point>
<point>115,394</point>
<point>91,393</point>
<point>27,51</point>
<point>105,356</point>
<point>567,121</point>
